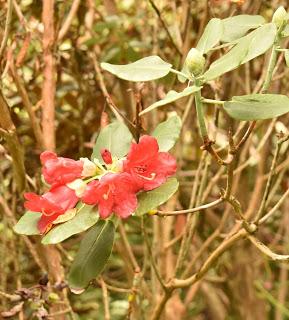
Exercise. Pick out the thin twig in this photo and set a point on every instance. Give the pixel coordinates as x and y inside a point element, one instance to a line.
<point>67,23</point>
<point>7,27</point>
<point>192,210</point>
<point>105,299</point>
<point>157,11</point>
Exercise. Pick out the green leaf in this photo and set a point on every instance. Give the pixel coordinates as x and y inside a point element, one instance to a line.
<point>247,48</point>
<point>168,132</point>
<point>146,69</point>
<point>152,199</point>
<point>115,137</point>
<point>285,32</point>
<point>237,26</point>
<point>257,106</point>
<point>27,224</point>
<point>92,256</point>
<point>211,36</point>
<point>85,218</point>
<point>171,96</point>
<point>287,58</point>
<point>261,40</point>
<point>185,71</point>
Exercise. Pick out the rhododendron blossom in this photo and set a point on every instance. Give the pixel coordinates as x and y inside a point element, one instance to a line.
<point>51,204</point>
<point>58,170</point>
<point>112,187</point>
<point>149,167</point>
<point>113,193</point>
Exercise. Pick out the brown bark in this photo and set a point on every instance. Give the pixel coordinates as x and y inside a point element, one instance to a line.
<point>13,145</point>
<point>48,89</point>
<point>53,256</point>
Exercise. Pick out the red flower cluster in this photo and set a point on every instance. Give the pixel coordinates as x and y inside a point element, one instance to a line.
<point>112,187</point>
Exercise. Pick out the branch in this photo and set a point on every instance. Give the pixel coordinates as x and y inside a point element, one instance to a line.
<point>66,25</point>
<point>196,209</point>
<point>7,27</point>
<point>13,144</point>
<point>48,88</point>
<point>157,11</point>
<point>27,104</point>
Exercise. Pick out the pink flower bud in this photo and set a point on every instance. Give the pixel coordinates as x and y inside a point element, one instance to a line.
<point>106,156</point>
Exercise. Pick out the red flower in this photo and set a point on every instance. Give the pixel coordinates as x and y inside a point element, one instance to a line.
<point>51,204</point>
<point>149,167</point>
<point>58,170</point>
<point>106,156</point>
<point>114,193</point>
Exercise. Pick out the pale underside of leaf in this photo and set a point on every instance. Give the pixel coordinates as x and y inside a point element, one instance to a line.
<point>146,69</point>
<point>247,48</point>
<point>237,26</point>
<point>170,97</point>
<point>168,132</point>
<point>211,35</point>
<point>257,106</point>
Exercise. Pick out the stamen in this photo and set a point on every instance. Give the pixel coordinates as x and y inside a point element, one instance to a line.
<point>152,176</point>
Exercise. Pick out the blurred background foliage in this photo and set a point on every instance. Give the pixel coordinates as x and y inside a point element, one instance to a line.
<point>243,285</point>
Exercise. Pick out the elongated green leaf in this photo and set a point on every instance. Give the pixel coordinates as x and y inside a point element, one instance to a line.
<point>168,132</point>
<point>261,40</point>
<point>85,218</point>
<point>152,199</point>
<point>257,106</point>
<point>247,48</point>
<point>116,138</point>
<point>237,26</point>
<point>27,224</point>
<point>93,254</point>
<point>146,69</point>
<point>171,97</point>
<point>211,36</point>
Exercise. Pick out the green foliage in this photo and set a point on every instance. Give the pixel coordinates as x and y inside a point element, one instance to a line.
<point>237,26</point>
<point>85,218</point>
<point>257,106</point>
<point>152,199</point>
<point>211,35</point>
<point>168,132</point>
<point>247,48</point>
<point>116,138</point>
<point>27,224</point>
<point>92,256</point>
<point>171,96</point>
<point>146,69</point>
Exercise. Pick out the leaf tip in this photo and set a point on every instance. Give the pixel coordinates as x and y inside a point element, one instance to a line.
<point>77,290</point>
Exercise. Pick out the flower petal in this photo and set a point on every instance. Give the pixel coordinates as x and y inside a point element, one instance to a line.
<point>125,205</point>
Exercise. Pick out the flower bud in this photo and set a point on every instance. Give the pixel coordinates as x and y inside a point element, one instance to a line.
<point>78,186</point>
<point>280,17</point>
<point>106,156</point>
<point>53,297</point>
<point>195,62</point>
<point>89,168</point>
